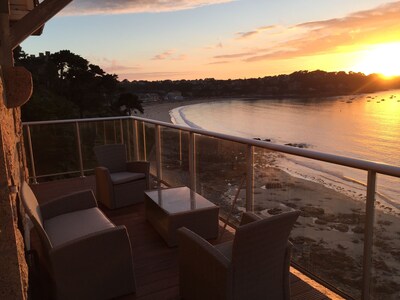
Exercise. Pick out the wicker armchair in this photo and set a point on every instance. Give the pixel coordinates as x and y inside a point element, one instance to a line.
<point>87,255</point>
<point>255,265</point>
<point>119,183</point>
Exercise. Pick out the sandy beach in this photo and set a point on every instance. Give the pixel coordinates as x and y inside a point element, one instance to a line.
<point>160,110</point>
<point>328,237</point>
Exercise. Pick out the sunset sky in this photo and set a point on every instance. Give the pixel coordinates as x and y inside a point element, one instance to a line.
<point>193,39</point>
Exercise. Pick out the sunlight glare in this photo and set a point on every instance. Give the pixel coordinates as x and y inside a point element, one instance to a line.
<point>383,59</point>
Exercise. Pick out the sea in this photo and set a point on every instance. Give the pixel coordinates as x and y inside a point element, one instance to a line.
<point>365,126</point>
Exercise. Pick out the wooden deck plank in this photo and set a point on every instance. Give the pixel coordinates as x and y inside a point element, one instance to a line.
<point>156,265</point>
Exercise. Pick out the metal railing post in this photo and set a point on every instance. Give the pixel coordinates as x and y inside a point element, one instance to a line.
<point>368,234</point>
<point>158,155</point>
<point>250,178</point>
<point>128,140</point>
<point>115,133</point>
<point>135,139</point>
<point>180,147</point>
<point>144,143</point>
<point>121,128</point>
<point>78,137</point>
<point>28,129</point>
<point>104,132</point>
<point>192,161</point>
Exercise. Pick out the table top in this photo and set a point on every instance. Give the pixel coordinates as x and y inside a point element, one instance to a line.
<point>180,199</point>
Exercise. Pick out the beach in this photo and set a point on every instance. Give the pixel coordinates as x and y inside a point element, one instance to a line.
<point>329,235</point>
<point>160,110</point>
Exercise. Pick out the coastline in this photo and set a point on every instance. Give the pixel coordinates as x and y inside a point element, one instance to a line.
<point>160,110</point>
<point>331,221</point>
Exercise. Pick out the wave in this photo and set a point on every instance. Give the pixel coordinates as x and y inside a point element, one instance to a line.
<point>178,117</point>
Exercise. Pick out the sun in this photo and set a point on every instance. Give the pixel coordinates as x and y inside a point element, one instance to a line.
<point>382,59</point>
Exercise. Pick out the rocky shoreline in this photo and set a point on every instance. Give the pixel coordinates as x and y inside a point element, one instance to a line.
<point>329,235</point>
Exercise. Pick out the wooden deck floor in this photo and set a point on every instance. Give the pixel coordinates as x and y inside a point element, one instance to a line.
<point>156,265</point>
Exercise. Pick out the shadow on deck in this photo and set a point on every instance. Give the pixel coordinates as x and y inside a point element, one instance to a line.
<point>156,265</point>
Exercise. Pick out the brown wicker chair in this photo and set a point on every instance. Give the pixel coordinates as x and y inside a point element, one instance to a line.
<point>87,255</point>
<point>119,183</point>
<point>255,265</point>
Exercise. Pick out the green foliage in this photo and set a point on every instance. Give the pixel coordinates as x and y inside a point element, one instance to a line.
<point>45,105</point>
<point>129,103</point>
<point>67,86</point>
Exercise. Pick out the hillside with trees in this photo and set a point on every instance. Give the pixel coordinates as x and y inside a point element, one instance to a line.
<point>298,84</point>
<point>67,85</point>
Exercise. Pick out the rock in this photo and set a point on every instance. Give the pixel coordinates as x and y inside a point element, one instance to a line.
<point>274,211</point>
<point>396,254</point>
<point>358,229</point>
<point>291,205</point>
<point>273,185</point>
<point>383,222</point>
<point>297,145</point>
<point>340,227</point>
<point>320,222</point>
<point>327,217</point>
<point>300,240</point>
<point>351,219</point>
<point>311,211</point>
<point>381,265</point>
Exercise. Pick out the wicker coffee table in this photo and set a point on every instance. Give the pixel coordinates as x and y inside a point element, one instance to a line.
<point>169,209</point>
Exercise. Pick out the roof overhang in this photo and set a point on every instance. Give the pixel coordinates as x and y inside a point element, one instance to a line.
<point>20,8</point>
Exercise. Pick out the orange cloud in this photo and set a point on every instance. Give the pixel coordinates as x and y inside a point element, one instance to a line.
<point>169,55</point>
<point>378,25</point>
<point>248,34</point>
<point>165,55</point>
<point>153,75</point>
<point>106,7</point>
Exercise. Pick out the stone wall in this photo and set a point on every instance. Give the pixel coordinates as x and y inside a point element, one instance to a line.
<point>13,268</point>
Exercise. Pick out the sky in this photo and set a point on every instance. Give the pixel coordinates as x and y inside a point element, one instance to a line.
<point>226,39</point>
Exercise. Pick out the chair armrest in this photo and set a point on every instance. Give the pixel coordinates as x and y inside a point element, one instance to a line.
<point>68,203</point>
<point>102,176</point>
<point>286,270</point>
<point>204,271</point>
<point>249,217</point>
<point>138,166</point>
<point>101,257</point>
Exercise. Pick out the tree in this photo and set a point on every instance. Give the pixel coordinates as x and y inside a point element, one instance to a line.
<point>129,103</point>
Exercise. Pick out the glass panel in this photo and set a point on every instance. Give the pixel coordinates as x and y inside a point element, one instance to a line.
<point>328,236</point>
<point>175,157</point>
<point>147,145</point>
<point>220,170</point>
<point>92,134</point>
<point>55,149</point>
<point>386,244</point>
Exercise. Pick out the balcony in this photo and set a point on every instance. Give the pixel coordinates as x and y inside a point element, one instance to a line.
<point>346,238</point>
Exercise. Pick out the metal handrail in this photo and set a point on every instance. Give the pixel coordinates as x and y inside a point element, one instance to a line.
<point>361,164</point>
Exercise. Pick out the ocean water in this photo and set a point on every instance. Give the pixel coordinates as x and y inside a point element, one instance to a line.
<point>363,126</point>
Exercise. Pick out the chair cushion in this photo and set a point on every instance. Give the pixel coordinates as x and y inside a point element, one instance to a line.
<point>225,249</point>
<point>124,177</point>
<point>70,226</point>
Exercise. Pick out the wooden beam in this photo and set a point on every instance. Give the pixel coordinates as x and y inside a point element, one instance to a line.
<point>34,20</point>
<point>6,58</point>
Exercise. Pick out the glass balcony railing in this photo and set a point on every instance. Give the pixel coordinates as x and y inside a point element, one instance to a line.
<point>348,234</point>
